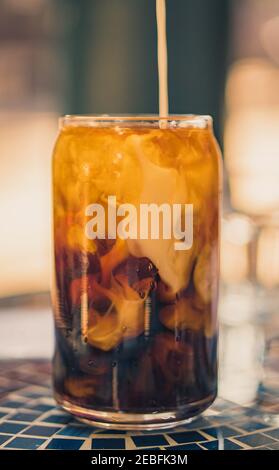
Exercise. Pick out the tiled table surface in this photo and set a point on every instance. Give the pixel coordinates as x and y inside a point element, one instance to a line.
<point>30,419</point>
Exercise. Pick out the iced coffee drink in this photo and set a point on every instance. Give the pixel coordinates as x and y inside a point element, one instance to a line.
<point>136,229</point>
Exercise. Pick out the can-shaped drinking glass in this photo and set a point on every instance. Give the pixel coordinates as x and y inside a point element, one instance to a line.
<point>136,265</point>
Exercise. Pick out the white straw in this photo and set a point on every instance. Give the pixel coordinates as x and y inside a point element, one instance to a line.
<point>162,58</point>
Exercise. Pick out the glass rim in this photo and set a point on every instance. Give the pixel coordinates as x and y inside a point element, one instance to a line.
<point>153,120</point>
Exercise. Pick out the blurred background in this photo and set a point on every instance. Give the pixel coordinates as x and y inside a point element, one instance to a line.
<point>99,56</point>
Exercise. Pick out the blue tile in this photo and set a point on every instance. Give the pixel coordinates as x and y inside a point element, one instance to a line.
<point>185,447</point>
<point>151,440</point>
<point>220,404</point>
<point>185,437</point>
<point>221,431</point>
<point>197,423</point>
<point>42,407</point>
<point>162,431</point>
<point>110,431</point>
<point>109,443</point>
<point>255,440</point>
<point>12,404</point>
<point>65,444</point>
<point>34,394</point>
<point>24,443</point>
<point>11,428</point>
<point>251,411</point>
<point>220,419</point>
<point>24,417</point>
<point>4,438</point>
<point>255,413</point>
<point>250,426</point>
<point>227,444</point>
<point>44,431</point>
<point>2,414</point>
<point>212,445</point>
<point>273,433</point>
<point>76,431</point>
<point>59,419</point>
<point>230,445</point>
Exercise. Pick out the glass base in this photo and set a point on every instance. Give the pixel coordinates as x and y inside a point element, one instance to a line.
<point>136,421</point>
